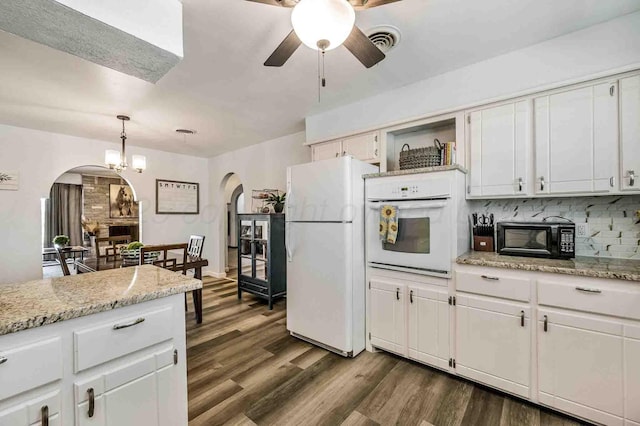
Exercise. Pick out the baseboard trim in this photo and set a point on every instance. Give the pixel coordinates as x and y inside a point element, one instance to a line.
<point>214,274</point>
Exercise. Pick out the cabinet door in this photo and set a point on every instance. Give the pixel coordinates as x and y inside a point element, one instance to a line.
<point>428,326</point>
<point>632,373</point>
<point>576,135</point>
<point>493,343</point>
<point>363,147</point>
<point>387,314</point>
<point>580,368</point>
<point>326,150</point>
<point>498,140</point>
<point>134,403</point>
<point>630,133</point>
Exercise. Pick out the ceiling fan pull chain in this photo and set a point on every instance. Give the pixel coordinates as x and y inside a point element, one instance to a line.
<point>324,80</point>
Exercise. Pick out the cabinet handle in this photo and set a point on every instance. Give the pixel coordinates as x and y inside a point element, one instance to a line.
<point>375,153</point>
<point>344,153</point>
<point>131,324</point>
<point>487,277</point>
<point>337,154</point>
<point>92,402</point>
<point>541,183</point>
<point>44,415</point>
<point>545,322</point>
<point>612,181</point>
<point>521,318</point>
<point>611,90</point>
<point>175,357</point>
<point>589,290</point>
<point>397,294</point>
<point>632,177</point>
<point>3,359</point>
<point>411,296</point>
<point>519,184</point>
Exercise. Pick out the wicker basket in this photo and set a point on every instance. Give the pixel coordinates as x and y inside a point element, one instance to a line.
<point>419,157</point>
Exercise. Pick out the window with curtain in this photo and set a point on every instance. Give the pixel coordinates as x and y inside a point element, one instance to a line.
<point>63,213</point>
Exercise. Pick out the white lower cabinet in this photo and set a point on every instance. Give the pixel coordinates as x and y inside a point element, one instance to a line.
<point>493,342</point>
<point>632,373</point>
<point>44,409</point>
<point>428,327</point>
<point>387,322</point>
<point>580,365</point>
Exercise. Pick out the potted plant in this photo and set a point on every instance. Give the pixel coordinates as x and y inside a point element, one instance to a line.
<point>277,201</point>
<point>60,241</point>
<point>131,254</point>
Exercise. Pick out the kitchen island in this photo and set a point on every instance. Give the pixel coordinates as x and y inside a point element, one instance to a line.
<point>100,348</point>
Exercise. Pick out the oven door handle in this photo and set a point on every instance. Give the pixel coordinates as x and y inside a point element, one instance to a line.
<point>403,205</point>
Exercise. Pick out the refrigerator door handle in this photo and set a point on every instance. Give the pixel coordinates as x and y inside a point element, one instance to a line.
<point>287,244</point>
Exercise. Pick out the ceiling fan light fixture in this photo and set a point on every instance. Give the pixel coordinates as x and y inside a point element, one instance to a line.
<point>318,22</point>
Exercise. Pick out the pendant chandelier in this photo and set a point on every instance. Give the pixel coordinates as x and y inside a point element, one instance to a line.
<point>118,161</point>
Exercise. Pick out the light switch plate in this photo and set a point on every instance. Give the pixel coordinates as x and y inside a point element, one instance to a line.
<point>582,229</point>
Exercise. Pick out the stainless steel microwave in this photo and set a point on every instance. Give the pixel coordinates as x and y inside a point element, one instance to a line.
<point>554,240</point>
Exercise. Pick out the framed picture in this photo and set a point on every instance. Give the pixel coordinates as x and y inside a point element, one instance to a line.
<point>175,197</point>
<point>121,203</point>
<point>9,180</point>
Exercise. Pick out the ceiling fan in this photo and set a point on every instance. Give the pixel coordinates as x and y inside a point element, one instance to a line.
<point>324,25</point>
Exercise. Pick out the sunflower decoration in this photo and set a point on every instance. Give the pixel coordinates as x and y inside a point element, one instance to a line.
<point>388,212</point>
<point>383,229</point>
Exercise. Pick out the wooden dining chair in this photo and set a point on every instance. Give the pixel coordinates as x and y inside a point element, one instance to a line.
<point>111,250</point>
<point>63,262</point>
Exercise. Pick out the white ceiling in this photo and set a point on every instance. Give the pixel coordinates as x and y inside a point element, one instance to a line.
<point>222,90</point>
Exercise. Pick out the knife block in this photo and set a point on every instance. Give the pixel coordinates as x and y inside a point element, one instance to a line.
<point>482,243</point>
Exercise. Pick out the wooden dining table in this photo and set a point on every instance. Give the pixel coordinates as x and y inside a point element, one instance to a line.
<point>94,264</point>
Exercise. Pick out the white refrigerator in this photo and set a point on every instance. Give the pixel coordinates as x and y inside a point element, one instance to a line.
<point>325,253</point>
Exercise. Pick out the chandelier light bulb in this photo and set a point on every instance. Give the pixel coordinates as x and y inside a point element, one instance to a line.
<point>317,22</point>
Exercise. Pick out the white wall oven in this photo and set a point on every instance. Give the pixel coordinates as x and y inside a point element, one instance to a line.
<point>423,211</point>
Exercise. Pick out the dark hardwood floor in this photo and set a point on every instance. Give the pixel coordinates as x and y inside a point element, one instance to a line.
<point>245,369</point>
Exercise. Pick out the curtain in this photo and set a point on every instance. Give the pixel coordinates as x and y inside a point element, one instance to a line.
<point>63,213</point>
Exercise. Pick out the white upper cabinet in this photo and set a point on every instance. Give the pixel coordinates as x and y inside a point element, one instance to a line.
<point>326,150</point>
<point>630,133</point>
<point>498,141</point>
<point>576,139</point>
<point>363,147</point>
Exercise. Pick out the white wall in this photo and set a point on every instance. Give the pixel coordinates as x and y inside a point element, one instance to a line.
<point>257,166</point>
<point>611,45</point>
<point>41,157</point>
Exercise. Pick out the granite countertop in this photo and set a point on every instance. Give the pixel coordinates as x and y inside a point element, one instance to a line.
<point>417,171</point>
<point>596,267</point>
<point>35,303</point>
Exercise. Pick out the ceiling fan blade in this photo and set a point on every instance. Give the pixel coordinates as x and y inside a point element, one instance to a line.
<point>283,3</point>
<point>368,4</point>
<point>362,48</point>
<point>284,51</point>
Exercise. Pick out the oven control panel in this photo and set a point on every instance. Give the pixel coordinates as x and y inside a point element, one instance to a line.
<point>399,189</point>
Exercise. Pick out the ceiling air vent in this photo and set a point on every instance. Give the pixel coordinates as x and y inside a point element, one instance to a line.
<point>385,37</point>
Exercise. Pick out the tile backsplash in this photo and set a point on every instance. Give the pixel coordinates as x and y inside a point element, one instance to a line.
<point>614,227</point>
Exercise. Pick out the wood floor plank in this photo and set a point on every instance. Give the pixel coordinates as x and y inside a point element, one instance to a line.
<point>245,369</point>
<point>484,408</point>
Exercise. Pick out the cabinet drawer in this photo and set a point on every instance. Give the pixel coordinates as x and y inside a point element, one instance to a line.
<point>494,284</point>
<point>97,345</point>
<point>29,366</point>
<point>30,412</point>
<point>602,298</point>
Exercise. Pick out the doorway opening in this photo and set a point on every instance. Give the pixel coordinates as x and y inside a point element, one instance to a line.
<point>235,202</point>
<point>87,204</point>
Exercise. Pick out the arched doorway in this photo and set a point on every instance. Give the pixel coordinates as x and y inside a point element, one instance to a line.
<point>234,199</point>
<point>86,204</point>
